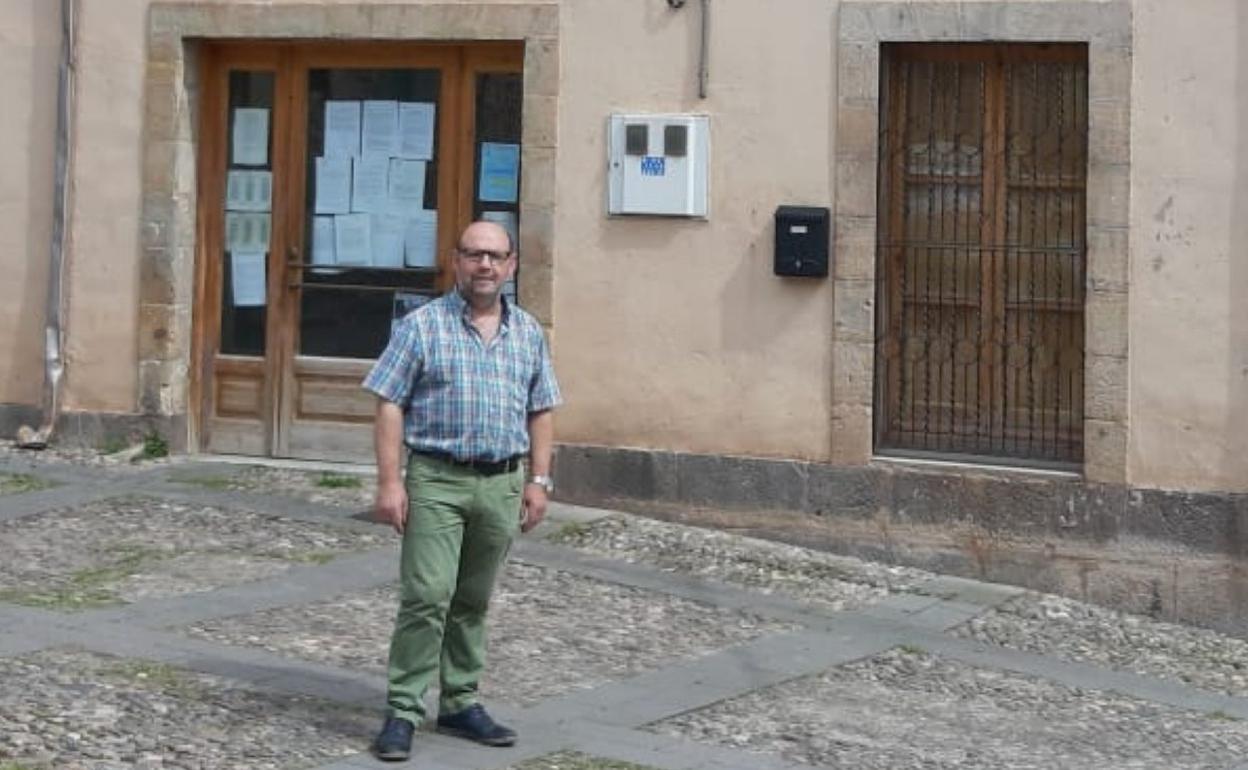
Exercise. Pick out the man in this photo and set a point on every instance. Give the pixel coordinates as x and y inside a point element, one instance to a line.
<point>467,383</point>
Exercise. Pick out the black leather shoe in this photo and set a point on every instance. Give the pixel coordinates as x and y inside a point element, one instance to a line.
<point>476,725</point>
<point>394,742</point>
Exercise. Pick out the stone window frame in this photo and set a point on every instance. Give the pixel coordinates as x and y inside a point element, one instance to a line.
<point>1106,28</point>
<point>168,237</point>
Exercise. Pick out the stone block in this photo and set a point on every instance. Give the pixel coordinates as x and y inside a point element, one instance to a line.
<point>1205,522</point>
<point>535,282</point>
<point>852,434</point>
<point>541,67</point>
<point>1105,451</point>
<point>600,474</point>
<point>162,333</point>
<point>853,372</point>
<point>850,492</point>
<point>854,311</point>
<point>349,21</point>
<point>858,72</point>
<point>738,482</point>
<point>537,182</point>
<point>1109,196</point>
<point>541,121</point>
<point>1109,133</point>
<point>156,277</point>
<point>537,237</point>
<point>1105,387</point>
<point>162,387</point>
<point>1105,315</point>
<point>1108,259</point>
<point>854,256</point>
<point>858,129</point>
<point>855,187</point>
<point>1109,74</point>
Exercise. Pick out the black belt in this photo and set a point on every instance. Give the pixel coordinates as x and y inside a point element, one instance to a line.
<point>484,467</point>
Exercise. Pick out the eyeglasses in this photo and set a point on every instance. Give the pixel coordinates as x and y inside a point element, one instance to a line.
<point>477,256</point>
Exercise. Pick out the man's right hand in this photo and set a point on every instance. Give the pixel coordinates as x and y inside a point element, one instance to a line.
<point>391,507</point>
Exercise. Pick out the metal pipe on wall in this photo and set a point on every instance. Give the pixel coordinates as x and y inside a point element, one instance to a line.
<point>53,333</point>
<point>704,70</point>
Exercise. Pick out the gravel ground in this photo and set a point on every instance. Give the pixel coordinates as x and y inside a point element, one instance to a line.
<point>128,549</point>
<point>339,489</point>
<point>550,632</point>
<point>1071,630</point>
<point>906,709</point>
<point>573,760</point>
<point>835,582</point>
<point>81,711</point>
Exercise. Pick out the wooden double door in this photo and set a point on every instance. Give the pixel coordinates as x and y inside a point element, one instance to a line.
<point>333,179</point>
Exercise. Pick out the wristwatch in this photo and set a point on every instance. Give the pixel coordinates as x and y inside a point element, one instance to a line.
<point>545,482</point>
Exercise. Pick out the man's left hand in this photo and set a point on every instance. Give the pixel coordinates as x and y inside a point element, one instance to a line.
<point>533,508</point>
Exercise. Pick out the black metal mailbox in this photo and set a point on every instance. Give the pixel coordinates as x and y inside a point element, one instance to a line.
<point>802,241</point>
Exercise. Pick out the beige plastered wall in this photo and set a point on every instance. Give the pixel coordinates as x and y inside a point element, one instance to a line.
<point>674,333</point>
<point>30,39</point>
<point>1189,227</point>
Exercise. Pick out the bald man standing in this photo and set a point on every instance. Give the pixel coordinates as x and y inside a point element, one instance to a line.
<point>467,384</point>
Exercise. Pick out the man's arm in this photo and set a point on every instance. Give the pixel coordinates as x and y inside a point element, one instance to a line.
<point>391,507</point>
<point>541,444</point>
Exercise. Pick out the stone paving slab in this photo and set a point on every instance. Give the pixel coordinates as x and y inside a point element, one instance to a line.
<point>552,632</point>
<point>909,709</point>
<point>128,549</point>
<point>82,711</point>
<point>834,582</point>
<point>1074,631</point>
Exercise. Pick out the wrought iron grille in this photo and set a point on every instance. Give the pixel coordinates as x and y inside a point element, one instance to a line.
<point>982,251</point>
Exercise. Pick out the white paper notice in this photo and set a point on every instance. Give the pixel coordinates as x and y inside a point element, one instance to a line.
<point>248,191</point>
<point>353,239</point>
<point>247,278</point>
<point>421,239</point>
<point>323,241</point>
<point>333,185</point>
<point>370,185</point>
<point>381,129</point>
<point>251,136</point>
<point>416,122</point>
<point>342,129</point>
<point>506,220</point>
<point>407,185</point>
<point>500,172</point>
<point>388,235</point>
<point>246,231</point>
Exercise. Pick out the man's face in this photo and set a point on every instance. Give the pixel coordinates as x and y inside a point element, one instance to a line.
<point>483,262</point>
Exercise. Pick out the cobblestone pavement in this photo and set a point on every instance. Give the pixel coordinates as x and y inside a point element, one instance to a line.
<point>190,613</point>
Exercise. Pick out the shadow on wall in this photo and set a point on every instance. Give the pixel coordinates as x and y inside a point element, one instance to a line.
<point>1237,401</point>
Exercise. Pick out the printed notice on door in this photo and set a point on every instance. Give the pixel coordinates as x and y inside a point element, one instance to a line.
<point>250,140</point>
<point>500,172</point>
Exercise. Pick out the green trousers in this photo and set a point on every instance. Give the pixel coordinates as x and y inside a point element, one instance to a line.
<point>460,525</point>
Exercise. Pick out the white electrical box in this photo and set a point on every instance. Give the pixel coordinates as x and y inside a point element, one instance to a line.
<point>657,164</point>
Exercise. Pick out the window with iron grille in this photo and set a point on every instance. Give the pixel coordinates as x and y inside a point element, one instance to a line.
<point>981,249</point>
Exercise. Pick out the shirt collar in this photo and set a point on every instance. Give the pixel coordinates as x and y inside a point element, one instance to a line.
<point>460,307</point>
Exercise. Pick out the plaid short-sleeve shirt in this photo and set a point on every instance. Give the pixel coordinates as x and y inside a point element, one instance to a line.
<point>459,395</point>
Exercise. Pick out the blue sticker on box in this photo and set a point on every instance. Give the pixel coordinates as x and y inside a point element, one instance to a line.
<point>653,166</point>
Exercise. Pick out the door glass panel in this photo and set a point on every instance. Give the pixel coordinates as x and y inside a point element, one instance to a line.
<point>249,186</point>
<point>497,152</point>
<point>370,235</point>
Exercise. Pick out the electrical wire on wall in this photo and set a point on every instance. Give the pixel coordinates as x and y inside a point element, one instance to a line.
<point>703,56</point>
